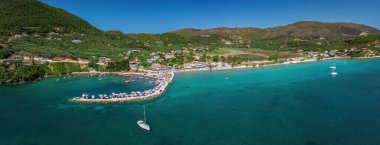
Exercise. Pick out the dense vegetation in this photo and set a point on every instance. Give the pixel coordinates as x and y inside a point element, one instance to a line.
<point>122,65</point>
<point>36,28</point>
<point>32,16</point>
<point>63,68</point>
<point>22,73</point>
<point>18,72</point>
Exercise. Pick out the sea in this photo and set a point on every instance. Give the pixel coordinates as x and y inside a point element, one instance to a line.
<point>296,104</point>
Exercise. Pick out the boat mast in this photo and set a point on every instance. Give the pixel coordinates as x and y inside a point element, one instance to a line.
<point>144,114</point>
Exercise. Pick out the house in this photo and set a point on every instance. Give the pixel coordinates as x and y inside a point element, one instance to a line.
<point>26,58</point>
<point>16,57</point>
<point>313,54</point>
<point>153,54</point>
<point>364,33</point>
<point>134,64</point>
<point>41,60</point>
<point>197,56</point>
<point>58,29</point>
<point>325,55</point>
<point>150,60</point>
<point>104,60</point>
<point>185,50</point>
<point>155,66</point>
<point>226,42</point>
<point>153,59</point>
<point>130,52</point>
<point>334,52</point>
<point>53,34</point>
<point>197,64</point>
<point>187,66</point>
<point>76,41</point>
<point>156,57</point>
<point>169,56</point>
<point>160,52</point>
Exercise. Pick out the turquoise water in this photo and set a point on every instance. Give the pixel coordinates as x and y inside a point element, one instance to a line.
<point>282,105</point>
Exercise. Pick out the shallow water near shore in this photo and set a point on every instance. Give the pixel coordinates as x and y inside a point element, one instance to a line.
<point>297,104</point>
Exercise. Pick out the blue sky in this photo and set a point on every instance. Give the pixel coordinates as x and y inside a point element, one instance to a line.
<point>158,16</point>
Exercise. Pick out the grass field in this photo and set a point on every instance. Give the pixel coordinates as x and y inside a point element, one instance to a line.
<point>251,52</point>
<point>232,51</point>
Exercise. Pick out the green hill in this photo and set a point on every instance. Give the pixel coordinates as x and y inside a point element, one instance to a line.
<point>302,29</point>
<point>33,16</point>
<point>27,25</point>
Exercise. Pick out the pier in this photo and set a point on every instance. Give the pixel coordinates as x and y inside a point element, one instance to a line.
<point>163,80</point>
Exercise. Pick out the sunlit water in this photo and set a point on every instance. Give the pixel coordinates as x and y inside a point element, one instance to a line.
<point>283,105</point>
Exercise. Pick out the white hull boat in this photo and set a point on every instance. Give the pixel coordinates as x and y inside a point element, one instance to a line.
<point>333,73</point>
<point>143,124</point>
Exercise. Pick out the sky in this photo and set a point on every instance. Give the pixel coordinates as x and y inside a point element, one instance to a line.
<point>159,16</point>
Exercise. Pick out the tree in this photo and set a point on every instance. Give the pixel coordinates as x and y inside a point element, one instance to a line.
<point>223,58</point>
<point>93,65</point>
<point>215,58</point>
<point>203,58</point>
<point>122,65</point>
<point>21,73</point>
<point>274,57</point>
<point>5,53</point>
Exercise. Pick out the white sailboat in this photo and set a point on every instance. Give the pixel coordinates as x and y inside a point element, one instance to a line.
<point>143,124</point>
<point>333,66</point>
<point>333,73</point>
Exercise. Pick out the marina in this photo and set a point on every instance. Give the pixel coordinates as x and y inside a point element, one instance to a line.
<point>162,80</point>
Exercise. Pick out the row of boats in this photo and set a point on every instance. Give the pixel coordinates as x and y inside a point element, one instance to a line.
<point>100,76</point>
<point>121,95</point>
<point>161,81</point>
<point>133,78</point>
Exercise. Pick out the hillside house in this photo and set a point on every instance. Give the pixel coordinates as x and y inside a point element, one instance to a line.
<point>134,64</point>
<point>104,61</point>
<point>169,56</point>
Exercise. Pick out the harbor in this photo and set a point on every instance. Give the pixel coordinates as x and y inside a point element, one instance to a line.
<point>161,78</point>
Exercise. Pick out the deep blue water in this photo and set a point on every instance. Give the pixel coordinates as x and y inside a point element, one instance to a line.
<point>282,105</point>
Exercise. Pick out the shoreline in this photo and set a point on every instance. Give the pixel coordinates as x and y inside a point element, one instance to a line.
<point>248,67</point>
<point>269,65</point>
<point>167,81</point>
<point>181,71</point>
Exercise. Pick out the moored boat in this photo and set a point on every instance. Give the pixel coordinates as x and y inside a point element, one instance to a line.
<point>143,124</point>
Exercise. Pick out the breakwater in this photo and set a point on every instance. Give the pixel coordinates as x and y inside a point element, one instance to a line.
<point>164,78</point>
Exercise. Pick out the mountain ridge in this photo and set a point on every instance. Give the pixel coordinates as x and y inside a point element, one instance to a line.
<point>21,16</point>
<point>56,32</point>
<point>309,28</point>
